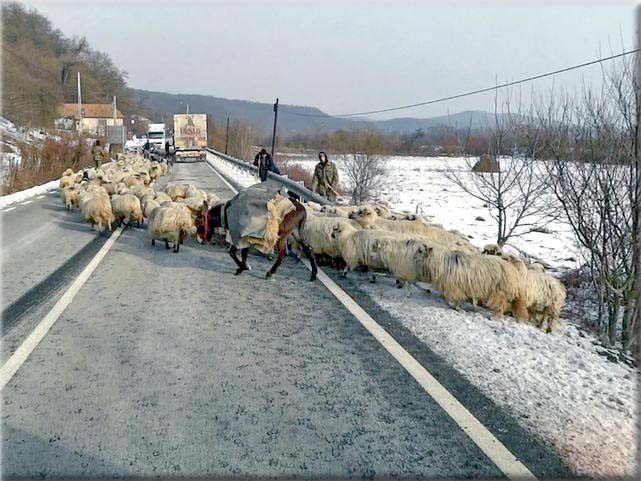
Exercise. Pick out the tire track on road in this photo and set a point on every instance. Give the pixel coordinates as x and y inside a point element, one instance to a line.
<point>45,289</point>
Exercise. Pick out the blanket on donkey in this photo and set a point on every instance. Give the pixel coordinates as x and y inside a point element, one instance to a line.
<point>254,216</point>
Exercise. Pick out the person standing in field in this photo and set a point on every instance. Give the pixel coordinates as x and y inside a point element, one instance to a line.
<point>325,180</point>
<point>98,154</point>
<point>265,164</point>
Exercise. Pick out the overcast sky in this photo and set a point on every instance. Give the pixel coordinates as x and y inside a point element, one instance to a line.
<point>347,58</point>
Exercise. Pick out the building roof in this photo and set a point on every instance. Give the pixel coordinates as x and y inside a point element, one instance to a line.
<point>94,111</point>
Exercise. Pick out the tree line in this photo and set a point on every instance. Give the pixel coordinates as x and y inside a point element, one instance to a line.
<point>40,65</point>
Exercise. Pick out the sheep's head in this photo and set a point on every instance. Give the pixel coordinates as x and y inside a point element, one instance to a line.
<point>328,209</point>
<point>381,211</point>
<point>515,261</point>
<point>536,266</point>
<point>337,230</point>
<point>493,250</point>
<point>422,249</point>
<point>364,216</point>
<point>342,230</point>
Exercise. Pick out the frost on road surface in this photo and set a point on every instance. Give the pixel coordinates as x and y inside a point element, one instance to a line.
<point>560,386</point>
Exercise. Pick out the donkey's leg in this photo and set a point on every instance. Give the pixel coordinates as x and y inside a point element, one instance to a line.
<point>309,252</point>
<point>243,258</point>
<point>281,245</point>
<point>232,253</point>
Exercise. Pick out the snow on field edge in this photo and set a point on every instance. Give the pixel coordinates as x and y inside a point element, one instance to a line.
<point>559,385</point>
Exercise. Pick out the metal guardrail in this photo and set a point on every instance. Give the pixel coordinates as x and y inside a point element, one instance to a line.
<point>275,179</point>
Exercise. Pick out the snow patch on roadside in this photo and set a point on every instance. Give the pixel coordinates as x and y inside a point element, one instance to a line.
<point>23,195</point>
<point>558,385</point>
<point>241,176</point>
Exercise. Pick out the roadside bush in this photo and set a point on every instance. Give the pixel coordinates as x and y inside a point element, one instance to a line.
<point>46,161</point>
<point>295,171</point>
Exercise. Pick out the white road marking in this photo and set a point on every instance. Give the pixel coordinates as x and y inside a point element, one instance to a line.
<point>26,202</point>
<point>8,370</point>
<point>482,437</point>
<point>479,434</point>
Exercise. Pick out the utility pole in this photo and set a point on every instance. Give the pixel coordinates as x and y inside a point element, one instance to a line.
<point>227,136</point>
<point>275,121</point>
<point>79,105</point>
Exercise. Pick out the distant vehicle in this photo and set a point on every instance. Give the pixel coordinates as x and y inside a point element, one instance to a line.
<point>157,136</point>
<point>190,135</point>
<point>135,144</point>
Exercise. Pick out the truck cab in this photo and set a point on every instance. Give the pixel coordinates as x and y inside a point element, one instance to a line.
<point>157,136</point>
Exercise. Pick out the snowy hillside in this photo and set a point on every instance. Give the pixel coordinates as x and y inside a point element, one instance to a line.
<point>10,135</point>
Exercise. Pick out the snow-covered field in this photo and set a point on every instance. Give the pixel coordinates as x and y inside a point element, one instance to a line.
<point>419,185</point>
<point>560,386</point>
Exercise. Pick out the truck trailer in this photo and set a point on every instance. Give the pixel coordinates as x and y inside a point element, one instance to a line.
<point>190,135</point>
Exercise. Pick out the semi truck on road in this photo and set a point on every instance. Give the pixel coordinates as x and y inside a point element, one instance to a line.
<point>190,135</point>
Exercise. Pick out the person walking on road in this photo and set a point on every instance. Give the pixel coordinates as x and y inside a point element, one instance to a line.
<point>325,180</point>
<point>98,154</point>
<point>146,148</point>
<point>265,164</point>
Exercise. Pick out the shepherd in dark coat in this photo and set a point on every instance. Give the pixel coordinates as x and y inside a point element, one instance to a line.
<point>265,164</point>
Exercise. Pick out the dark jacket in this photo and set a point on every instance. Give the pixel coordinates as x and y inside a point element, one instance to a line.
<point>267,165</point>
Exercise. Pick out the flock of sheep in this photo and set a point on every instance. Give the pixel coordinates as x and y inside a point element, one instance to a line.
<point>413,250</point>
<point>410,248</point>
<point>121,192</point>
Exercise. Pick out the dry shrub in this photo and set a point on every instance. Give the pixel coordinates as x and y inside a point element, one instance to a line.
<point>46,161</point>
<point>295,171</point>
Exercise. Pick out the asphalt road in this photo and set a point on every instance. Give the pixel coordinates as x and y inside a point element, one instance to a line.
<point>168,364</point>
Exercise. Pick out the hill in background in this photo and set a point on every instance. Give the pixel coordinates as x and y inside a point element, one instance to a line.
<point>261,115</point>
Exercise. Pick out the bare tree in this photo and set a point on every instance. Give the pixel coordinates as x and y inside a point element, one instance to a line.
<point>365,173</point>
<point>516,193</point>
<point>362,162</point>
<point>594,146</point>
<point>241,139</point>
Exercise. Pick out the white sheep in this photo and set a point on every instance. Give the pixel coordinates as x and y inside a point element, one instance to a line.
<point>141,190</point>
<point>67,179</point>
<point>177,191</point>
<point>127,207</point>
<point>462,276</point>
<point>71,195</point>
<point>369,219</point>
<point>161,197</point>
<point>317,232</point>
<point>96,209</point>
<point>545,297</point>
<point>170,222</point>
<point>356,246</point>
<point>149,206</point>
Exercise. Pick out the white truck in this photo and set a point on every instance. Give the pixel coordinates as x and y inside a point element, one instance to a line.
<point>157,136</point>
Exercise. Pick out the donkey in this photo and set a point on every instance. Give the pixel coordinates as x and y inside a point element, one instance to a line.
<point>292,224</point>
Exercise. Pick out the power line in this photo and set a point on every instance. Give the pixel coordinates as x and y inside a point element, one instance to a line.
<point>466,94</point>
